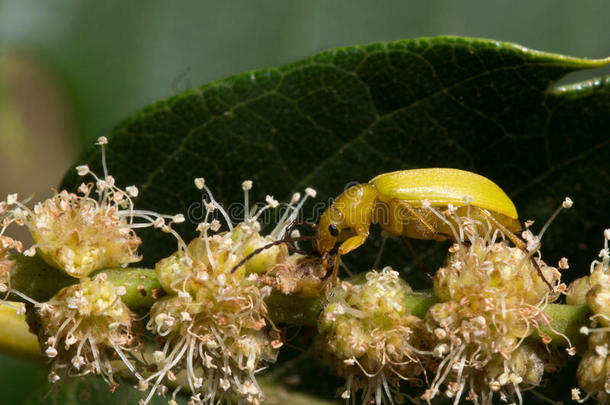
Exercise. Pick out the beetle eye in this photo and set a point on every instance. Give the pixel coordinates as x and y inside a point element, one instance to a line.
<point>332,228</point>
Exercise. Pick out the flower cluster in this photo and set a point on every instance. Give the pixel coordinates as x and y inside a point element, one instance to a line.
<point>368,336</point>
<point>86,326</point>
<point>8,245</point>
<point>483,338</point>
<point>492,297</point>
<point>79,234</point>
<point>214,322</point>
<point>594,290</point>
<point>83,327</point>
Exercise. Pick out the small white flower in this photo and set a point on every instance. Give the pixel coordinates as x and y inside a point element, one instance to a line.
<point>224,384</point>
<point>102,140</point>
<point>78,362</point>
<point>51,352</point>
<point>311,192</point>
<point>567,203</point>
<point>199,183</point>
<point>273,203</point>
<point>70,340</point>
<point>132,191</point>
<point>184,295</point>
<point>30,252</point>
<point>83,188</point>
<point>575,394</point>
<point>246,185</point>
<point>159,356</point>
<point>53,377</point>
<point>82,170</point>
<point>209,206</point>
<point>11,199</point>
<point>215,225</point>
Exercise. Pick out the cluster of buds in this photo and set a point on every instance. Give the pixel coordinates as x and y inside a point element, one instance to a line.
<point>368,336</point>
<point>84,327</point>
<point>492,298</point>
<point>214,322</point>
<point>594,290</point>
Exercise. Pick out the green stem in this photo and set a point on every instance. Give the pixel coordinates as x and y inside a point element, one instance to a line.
<point>36,279</point>
<point>15,336</point>
<point>41,282</point>
<point>141,284</point>
<point>566,320</point>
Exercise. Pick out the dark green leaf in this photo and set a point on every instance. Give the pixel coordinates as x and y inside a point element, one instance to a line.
<point>348,114</point>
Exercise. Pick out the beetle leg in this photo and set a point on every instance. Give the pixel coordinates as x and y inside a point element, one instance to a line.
<point>414,255</point>
<point>438,236</point>
<point>516,241</point>
<point>347,246</point>
<point>352,243</point>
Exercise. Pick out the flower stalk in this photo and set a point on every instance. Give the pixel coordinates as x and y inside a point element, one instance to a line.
<point>283,309</point>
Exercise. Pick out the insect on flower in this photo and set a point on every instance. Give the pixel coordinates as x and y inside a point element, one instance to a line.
<point>492,299</point>
<point>398,202</point>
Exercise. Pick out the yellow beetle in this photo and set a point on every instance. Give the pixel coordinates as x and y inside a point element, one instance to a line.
<point>395,200</point>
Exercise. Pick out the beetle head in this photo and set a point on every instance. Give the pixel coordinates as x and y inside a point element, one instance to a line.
<point>330,226</point>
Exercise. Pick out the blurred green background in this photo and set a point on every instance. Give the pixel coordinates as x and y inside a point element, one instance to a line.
<point>70,70</point>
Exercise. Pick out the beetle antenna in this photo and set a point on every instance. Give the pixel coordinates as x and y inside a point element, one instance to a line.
<point>384,238</point>
<point>415,256</point>
<point>271,244</point>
